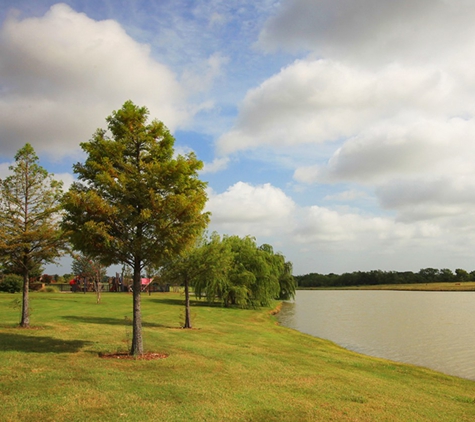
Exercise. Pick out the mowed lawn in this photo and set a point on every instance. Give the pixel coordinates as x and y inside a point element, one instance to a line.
<point>235,365</point>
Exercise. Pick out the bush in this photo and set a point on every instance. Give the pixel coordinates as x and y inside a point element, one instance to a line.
<point>11,283</point>
<point>36,286</point>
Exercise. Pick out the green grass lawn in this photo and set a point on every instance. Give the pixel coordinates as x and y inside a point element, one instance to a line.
<point>236,365</point>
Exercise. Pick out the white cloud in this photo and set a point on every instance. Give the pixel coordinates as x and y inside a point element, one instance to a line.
<point>5,170</point>
<point>63,73</point>
<point>66,178</point>
<point>387,152</point>
<point>201,77</point>
<point>373,31</point>
<point>244,209</point>
<point>317,238</point>
<point>386,92</point>
<point>346,196</point>
<point>218,164</point>
<point>315,101</point>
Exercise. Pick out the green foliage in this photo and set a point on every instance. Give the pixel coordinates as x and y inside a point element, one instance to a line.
<point>30,206</point>
<point>11,283</point>
<point>84,266</point>
<point>29,219</point>
<point>234,271</point>
<point>257,275</point>
<point>378,277</point>
<point>203,266</point>
<point>91,270</point>
<point>462,275</point>
<point>135,203</point>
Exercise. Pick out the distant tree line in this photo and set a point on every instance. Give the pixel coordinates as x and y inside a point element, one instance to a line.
<point>375,277</point>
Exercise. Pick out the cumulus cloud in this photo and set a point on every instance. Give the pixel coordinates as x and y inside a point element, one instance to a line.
<point>382,153</point>
<point>316,101</point>
<point>385,98</point>
<point>324,225</point>
<point>372,31</point>
<point>67,178</point>
<point>262,210</point>
<point>244,209</point>
<point>216,165</point>
<point>346,196</point>
<point>63,73</point>
<point>317,238</point>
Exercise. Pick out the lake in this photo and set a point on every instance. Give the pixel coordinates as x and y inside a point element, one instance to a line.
<point>431,329</point>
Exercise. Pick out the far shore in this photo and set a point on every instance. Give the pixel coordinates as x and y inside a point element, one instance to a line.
<point>466,286</point>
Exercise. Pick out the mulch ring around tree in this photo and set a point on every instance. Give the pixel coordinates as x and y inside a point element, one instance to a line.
<point>127,356</point>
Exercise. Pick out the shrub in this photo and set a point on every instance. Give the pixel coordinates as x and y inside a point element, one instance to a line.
<point>36,286</point>
<point>11,283</point>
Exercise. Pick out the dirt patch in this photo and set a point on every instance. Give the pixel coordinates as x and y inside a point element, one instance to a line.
<point>127,356</point>
<point>276,310</point>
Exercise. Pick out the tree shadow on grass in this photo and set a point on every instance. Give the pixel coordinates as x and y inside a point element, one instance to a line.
<point>110,321</point>
<point>39,344</point>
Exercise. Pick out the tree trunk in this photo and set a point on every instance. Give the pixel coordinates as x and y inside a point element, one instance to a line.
<point>137,341</point>
<point>98,291</point>
<point>25,309</point>
<point>187,305</point>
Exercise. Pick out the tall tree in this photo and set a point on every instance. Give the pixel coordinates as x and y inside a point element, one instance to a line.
<point>135,203</point>
<point>30,207</point>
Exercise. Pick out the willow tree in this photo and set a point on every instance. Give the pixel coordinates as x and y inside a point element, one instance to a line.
<point>30,235</point>
<point>135,203</point>
<point>249,275</point>
<point>205,264</point>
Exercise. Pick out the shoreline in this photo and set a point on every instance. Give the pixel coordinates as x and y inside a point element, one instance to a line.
<point>468,286</point>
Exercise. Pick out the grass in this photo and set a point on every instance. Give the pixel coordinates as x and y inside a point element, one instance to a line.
<point>236,365</point>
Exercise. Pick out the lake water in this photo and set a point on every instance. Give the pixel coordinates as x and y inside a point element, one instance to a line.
<point>431,329</point>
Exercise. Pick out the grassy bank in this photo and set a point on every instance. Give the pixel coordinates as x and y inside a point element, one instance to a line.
<point>236,365</point>
<point>467,286</point>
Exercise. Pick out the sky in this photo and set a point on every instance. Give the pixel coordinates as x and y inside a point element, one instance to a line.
<point>341,132</point>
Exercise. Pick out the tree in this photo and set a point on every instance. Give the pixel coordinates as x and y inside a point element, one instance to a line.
<point>462,275</point>
<point>446,275</point>
<point>254,275</point>
<point>30,207</point>
<point>89,269</point>
<point>202,265</point>
<point>429,275</point>
<point>286,280</point>
<point>135,203</point>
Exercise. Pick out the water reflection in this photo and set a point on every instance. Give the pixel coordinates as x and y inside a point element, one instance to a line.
<point>431,329</point>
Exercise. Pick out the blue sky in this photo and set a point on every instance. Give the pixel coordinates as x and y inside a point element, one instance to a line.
<point>339,131</point>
